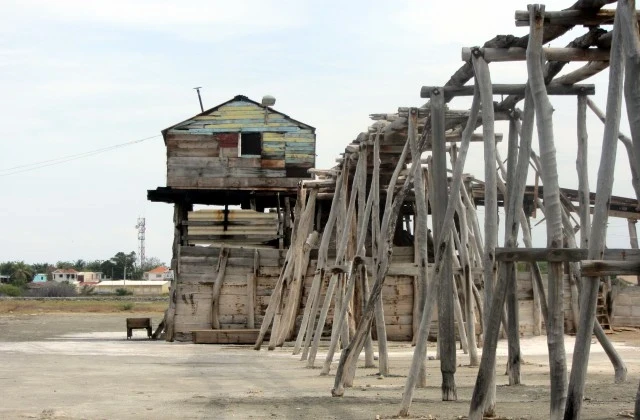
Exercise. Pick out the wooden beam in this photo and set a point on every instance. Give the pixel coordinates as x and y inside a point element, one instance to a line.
<point>551,54</point>
<point>510,89</point>
<point>601,268</point>
<point>570,17</point>
<point>562,255</point>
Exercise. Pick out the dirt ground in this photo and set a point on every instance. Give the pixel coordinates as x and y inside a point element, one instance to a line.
<point>80,366</point>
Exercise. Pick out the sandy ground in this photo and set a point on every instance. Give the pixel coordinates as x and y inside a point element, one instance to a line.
<point>77,366</point>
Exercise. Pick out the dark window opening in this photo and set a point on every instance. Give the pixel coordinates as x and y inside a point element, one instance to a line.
<point>250,144</point>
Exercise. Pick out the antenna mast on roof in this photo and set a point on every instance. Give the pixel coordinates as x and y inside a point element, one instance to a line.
<point>199,97</point>
<point>141,230</point>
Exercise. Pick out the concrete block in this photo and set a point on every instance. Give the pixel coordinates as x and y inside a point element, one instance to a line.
<point>635,311</point>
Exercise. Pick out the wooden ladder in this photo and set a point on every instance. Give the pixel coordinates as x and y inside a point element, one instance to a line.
<point>602,315</point>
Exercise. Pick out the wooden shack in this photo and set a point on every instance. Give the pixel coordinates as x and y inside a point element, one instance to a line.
<point>248,160</point>
<point>239,144</point>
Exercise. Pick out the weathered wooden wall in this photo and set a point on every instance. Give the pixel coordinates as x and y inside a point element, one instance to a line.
<point>197,276</point>
<point>203,152</point>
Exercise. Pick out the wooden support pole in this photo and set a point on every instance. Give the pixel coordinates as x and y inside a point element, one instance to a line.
<point>483,401</point>
<point>633,237</point>
<point>180,210</point>
<point>598,230</point>
<point>343,235</point>
<point>467,280</point>
<point>421,237</point>
<point>303,240</point>
<point>217,285</point>
<point>544,123</point>
<point>583,174</point>
<point>443,276</point>
<point>392,210</point>
<point>251,290</point>
<point>628,23</point>
<point>457,307</point>
<point>628,144</point>
<point>515,192</point>
<point>340,315</point>
<point>381,328</point>
<point>319,276</point>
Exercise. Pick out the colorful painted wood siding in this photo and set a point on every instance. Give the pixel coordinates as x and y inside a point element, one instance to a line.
<point>206,151</point>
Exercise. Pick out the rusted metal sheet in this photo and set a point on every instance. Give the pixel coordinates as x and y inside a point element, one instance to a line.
<point>227,139</point>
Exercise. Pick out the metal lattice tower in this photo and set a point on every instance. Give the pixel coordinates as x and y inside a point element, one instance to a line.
<point>141,229</point>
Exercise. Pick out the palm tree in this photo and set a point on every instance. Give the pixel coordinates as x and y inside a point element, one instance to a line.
<point>22,273</point>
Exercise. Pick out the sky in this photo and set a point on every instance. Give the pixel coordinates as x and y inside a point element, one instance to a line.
<point>80,76</point>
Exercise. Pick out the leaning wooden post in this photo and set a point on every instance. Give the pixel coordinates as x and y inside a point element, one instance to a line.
<point>274,301</point>
<point>364,206</point>
<point>597,240</point>
<point>319,276</point>
<point>303,245</point>
<point>628,145</point>
<point>381,329</point>
<point>485,399</point>
<point>217,286</point>
<point>340,252</point>
<point>544,123</point>
<point>468,283</point>
<point>350,353</point>
<point>353,273</point>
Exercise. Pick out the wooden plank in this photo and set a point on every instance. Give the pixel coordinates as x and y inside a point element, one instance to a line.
<point>227,336</point>
<point>272,163</point>
<point>275,184</point>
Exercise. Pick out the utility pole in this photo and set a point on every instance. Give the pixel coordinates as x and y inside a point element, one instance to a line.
<point>141,231</point>
<point>199,97</point>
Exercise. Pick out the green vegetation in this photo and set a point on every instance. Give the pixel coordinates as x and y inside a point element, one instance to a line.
<point>10,290</point>
<point>115,267</point>
<point>127,306</point>
<point>123,292</point>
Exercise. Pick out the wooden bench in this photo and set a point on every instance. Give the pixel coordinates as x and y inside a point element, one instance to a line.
<point>138,324</point>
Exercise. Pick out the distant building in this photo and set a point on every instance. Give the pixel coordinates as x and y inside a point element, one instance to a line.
<point>5,278</point>
<point>91,276</point>
<point>40,278</point>
<point>158,273</point>
<point>65,274</point>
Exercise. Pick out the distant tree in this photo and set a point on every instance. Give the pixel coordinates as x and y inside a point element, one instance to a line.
<point>151,263</point>
<point>80,265</point>
<point>22,273</point>
<point>95,265</point>
<point>45,268</point>
<point>64,265</point>
<point>123,264</point>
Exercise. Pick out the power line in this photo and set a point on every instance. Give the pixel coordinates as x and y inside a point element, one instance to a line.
<point>64,159</point>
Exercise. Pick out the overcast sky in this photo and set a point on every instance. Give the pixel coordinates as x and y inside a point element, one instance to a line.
<point>78,76</point>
